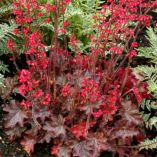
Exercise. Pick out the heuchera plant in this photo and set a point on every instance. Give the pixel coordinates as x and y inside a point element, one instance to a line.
<point>85,103</point>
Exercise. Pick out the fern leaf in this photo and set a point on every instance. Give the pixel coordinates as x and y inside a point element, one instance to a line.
<point>1,81</point>
<point>5,34</point>
<point>6,10</point>
<point>3,67</point>
<point>148,144</point>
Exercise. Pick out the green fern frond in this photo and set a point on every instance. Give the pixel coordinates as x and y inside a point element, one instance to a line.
<point>1,81</point>
<point>5,34</point>
<point>150,121</point>
<point>151,51</point>
<point>150,74</point>
<point>147,104</point>
<point>153,122</point>
<point>6,8</point>
<point>148,144</point>
<point>48,26</point>
<point>3,67</point>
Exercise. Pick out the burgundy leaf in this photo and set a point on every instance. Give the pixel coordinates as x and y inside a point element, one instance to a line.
<point>126,133</point>
<point>28,144</point>
<point>89,108</point>
<point>98,144</point>
<point>56,126</point>
<point>131,113</point>
<point>14,116</point>
<point>82,149</point>
<point>15,132</point>
<point>122,152</point>
<point>41,114</point>
<point>64,151</point>
<point>47,137</point>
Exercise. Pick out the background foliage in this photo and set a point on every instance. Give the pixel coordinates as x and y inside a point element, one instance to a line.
<point>149,71</point>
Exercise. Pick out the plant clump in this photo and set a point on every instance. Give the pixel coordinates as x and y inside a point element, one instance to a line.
<point>85,101</point>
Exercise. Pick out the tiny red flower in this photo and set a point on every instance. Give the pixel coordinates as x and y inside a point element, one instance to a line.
<point>38,93</point>
<point>79,130</point>
<point>66,90</point>
<point>25,104</point>
<point>16,31</point>
<point>46,100</point>
<point>54,151</point>
<point>11,44</point>
<point>66,2</point>
<point>22,89</point>
<point>66,24</point>
<point>25,75</point>
<point>134,44</point>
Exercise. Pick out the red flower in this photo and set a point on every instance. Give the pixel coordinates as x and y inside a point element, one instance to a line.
<point>48,20</point>
<point>17,12</point>
<point>66,90</point>
<point>134,44</point>
<point>22,89</point>
<point>90,91</point>
<point>16,31</point>
<point>66,24</point>
<point>79,130</point>
<point>25,75</point>
<point>66,2</point>
<point>25,104</point>
<point>38,94</point>
<point>46,100</point>
<point>118,50</point>
<point>132,53</point>
<point>54,151</point>
<point>11,44</point>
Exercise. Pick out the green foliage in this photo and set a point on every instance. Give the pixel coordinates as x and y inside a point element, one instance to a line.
<point>1,81</point>
<point>149,119</point>
<point>7,25</point>
<point>149,72</point>
<point>5,9</point>
<point>3,67</point>
<point>148,144</point>
<point>79,14</point>
<point>5,34</point>
<point>150,53</point>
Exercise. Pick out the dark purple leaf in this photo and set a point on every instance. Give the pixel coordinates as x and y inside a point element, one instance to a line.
<point>97,144</point>
<point>56,126</point>
<point>82,149</point>
<point>131,113</point>
<point>124,133</point>
<point>15,132</point>
<point>28,144</point>
<point>64,151</point>
<point>41,114</point>
<point>15,115</point>
<point>47,137</point>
